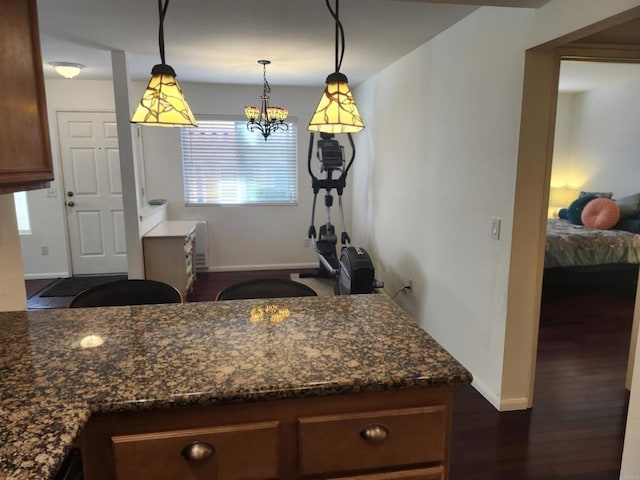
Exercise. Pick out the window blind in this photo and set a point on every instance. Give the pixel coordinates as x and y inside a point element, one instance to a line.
<point>225,164</point>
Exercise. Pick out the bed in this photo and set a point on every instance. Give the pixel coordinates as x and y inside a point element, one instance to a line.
<point>570,245</point>
<point>594,246</point>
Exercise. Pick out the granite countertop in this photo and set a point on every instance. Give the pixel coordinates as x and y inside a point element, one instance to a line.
<point>209,353</point>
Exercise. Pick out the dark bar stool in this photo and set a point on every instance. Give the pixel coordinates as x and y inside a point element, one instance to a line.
<point>127,292</point>
<point>265,288</point>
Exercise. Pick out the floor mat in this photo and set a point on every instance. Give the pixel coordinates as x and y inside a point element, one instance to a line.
<point>72,286</point>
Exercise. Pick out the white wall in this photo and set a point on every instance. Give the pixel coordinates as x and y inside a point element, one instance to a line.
<point>563,172</point>
<point>239,237</point>
<point>48,216</point>
<point>438,181</point>
<point>441,163</point>
<point>605,143</point>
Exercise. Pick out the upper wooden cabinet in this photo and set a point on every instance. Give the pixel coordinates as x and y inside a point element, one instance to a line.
<point>25,152</point>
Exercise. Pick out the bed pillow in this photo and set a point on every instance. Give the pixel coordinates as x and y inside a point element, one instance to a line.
<point>601,213</point>
<point>629,205</point>
<point>597,194</point>
<point>629,224</point>
<point>576,207</point>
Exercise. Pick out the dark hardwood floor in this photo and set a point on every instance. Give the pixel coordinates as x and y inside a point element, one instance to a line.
<point>575,430</point>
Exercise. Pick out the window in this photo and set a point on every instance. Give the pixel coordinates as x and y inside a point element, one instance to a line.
<point>225,164</point>
<point>22,213</point>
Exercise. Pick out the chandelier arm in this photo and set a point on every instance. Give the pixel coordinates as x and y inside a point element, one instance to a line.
<point>339,33</point>
<point>162,9</point>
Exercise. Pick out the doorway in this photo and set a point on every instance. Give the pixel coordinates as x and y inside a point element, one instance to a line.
<point>93,192</point>
<point>610,41</point>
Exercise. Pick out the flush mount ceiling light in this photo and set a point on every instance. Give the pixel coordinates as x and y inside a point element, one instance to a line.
<point>67,69</point>
<point>337,111</point>
<point>163,103</point>
<point>266,119</point>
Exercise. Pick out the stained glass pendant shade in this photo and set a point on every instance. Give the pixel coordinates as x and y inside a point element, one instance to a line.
<point>163,104</point>
<point>337,111</point>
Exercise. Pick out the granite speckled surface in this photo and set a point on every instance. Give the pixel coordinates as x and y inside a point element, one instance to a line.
<point>167,356</point>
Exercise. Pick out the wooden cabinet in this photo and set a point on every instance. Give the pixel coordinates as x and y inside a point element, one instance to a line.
<point>362,440</point>
<point>25,151</point>
<point>245,451</point>
<point>169,254</point>
<point>335,437</point>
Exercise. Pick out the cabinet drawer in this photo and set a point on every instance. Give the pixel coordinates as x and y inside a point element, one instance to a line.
<point>390,438</point>
<point>246,451</point>
<point>434,473</point>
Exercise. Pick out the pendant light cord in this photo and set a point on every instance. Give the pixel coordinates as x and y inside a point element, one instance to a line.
<point>339,33</point>
<point>266,88</point>
<point>162,9</point>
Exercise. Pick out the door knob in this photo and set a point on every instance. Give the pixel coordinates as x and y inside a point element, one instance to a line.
<point>70,204</point>
<point>69,194</point>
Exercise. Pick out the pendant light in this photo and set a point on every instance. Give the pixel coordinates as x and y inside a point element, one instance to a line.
<point>163,103</point>
<point>337,111</point>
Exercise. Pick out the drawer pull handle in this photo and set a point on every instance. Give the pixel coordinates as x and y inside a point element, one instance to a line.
<point>198,451</point>
<point>374,433</point>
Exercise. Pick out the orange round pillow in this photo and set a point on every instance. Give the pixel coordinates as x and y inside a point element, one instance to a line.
<point>600,213</point>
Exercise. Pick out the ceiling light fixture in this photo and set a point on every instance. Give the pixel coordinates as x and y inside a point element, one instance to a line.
<point>67,69</point>
<point>337,111</point>
<point>266,119</point>
<point>163,103</point>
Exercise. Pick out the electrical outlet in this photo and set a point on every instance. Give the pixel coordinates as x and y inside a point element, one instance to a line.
<point>44,250</point>
<point>307,242</point>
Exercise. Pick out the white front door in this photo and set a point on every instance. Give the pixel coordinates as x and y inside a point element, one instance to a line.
<point>93,192</point>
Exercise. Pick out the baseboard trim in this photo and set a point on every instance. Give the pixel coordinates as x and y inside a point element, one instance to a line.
<point>45,276</point>
<point>502,405</point>
<point>243,268</point>
<point>512,404</point>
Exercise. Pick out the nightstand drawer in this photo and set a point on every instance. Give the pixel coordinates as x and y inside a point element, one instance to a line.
<point>243,452</point>
<point>358,441</point>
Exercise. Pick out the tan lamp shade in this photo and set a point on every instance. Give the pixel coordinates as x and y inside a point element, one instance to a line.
<point>337,111</point>
<point>561,197</point>
<point>163,103</point>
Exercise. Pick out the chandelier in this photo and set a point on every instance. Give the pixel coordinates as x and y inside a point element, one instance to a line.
<point>266,119</point>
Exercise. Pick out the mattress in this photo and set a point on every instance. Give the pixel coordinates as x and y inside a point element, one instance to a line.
<point>571,245</point>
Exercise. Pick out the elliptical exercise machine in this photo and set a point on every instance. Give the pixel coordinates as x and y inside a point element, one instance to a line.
<point>354,269</point>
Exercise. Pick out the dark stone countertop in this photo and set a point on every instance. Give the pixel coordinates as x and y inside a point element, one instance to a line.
<point>166,356</point>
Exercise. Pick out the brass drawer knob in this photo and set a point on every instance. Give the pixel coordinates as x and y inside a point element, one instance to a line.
<point>198,451</point>
<point>374,433</point>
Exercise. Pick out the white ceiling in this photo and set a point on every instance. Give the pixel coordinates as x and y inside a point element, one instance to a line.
<point>220,41</point>
<point>577,76</point>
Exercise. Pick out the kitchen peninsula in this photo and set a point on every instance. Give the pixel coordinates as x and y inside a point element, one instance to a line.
<point>318,387</point>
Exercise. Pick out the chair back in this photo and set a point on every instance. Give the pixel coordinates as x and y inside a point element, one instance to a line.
<point>265,288</point>
<point>127,292</point>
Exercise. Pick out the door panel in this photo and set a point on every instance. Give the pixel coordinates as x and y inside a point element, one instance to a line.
<point>90,232</point>
<point>93,185</point>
